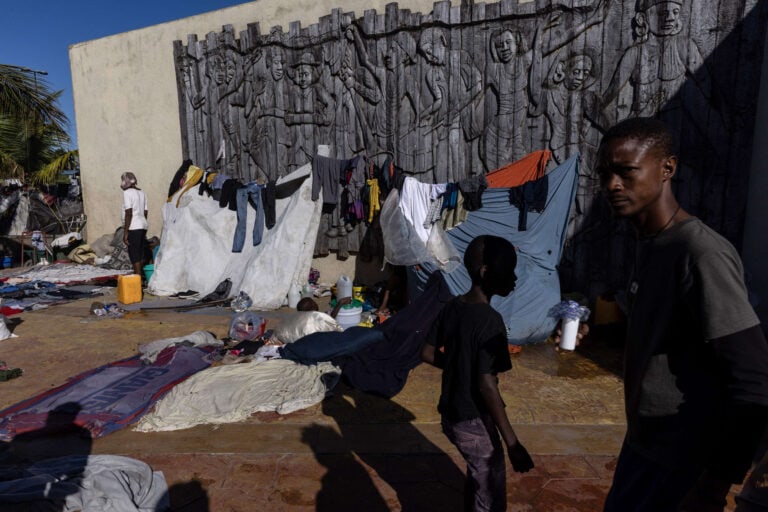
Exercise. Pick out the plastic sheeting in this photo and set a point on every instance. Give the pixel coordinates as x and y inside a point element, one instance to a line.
<point>539,248</point>
<point>196,246</point>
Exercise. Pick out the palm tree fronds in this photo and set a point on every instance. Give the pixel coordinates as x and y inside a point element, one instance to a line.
<point>50,172</point>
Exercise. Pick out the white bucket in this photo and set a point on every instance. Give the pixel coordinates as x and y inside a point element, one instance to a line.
<point>349,316</point>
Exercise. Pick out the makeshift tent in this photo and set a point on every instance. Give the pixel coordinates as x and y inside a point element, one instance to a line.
<point>539,248</point>
<point>196,245</point>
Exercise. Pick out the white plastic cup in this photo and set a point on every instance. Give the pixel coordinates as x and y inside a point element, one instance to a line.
<point>568,334</point>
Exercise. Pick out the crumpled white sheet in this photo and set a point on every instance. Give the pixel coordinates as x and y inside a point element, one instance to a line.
<point>150,351</point>
<point>302,323</point>
<point>89,483</point>
<point>231,393</point>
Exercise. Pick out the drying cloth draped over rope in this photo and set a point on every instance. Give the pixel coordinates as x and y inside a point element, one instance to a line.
<point>531,167</point>
<point>111,396</point>
<point>538,252</point>
<point>383,367</point>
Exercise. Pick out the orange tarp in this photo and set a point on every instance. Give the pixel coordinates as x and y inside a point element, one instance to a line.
<point>531,167</point>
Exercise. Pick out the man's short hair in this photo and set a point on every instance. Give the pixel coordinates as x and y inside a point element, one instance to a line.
<point>653,132</point>
<point>496,253</point>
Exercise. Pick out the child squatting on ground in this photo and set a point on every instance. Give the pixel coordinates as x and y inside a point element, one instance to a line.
<point>468,342</point>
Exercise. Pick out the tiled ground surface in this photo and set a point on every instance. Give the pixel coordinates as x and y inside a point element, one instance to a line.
<point>352,452</point>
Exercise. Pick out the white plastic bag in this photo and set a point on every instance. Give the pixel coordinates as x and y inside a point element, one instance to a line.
<point>303,323</point>
<point>442,250</point>
<point>401,244</point>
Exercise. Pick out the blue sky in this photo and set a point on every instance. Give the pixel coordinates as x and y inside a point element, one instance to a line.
<point>37,33</point>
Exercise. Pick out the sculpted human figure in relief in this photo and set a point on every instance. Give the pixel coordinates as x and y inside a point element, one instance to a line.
<point>310,111</point>
<point>269,141</point>
<point>664,70</point>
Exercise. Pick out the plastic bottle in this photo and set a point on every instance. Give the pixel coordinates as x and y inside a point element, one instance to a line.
<point>343,287</point>
<point>294,294</point>
<point>241,302</point>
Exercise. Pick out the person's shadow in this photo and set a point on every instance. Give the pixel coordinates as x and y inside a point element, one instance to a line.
<point>60,437</point>
<point>346,485</point>
<point>380,433</point>
<point>187,497</point>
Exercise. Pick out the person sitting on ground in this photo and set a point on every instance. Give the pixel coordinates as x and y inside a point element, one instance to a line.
<point>468,341</point>
<point>309,304</point>
<point>395,292</point>
<point>313,321</point>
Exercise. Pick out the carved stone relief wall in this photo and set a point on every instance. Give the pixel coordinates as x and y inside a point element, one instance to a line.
<point>468,88</point>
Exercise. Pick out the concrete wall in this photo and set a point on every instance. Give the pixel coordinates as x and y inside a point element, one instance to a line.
<point>127,118</point>
<point>126,105</point>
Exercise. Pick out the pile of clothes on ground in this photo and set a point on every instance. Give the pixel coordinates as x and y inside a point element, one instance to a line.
<point>31,292</point>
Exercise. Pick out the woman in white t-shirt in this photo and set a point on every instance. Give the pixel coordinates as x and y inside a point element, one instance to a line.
<point>134,220</point>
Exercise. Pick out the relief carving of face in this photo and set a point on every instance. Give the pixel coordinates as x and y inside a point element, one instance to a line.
<point>276,67</point>
<point>433,46</point>
<point>506,46</point>
<point>224,69</point>
<point>304,76</point>
<point>664,19</point>
<point>578,71</point>
<point>394,56</point>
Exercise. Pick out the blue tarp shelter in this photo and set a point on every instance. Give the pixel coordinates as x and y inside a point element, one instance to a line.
<point>539,248</point>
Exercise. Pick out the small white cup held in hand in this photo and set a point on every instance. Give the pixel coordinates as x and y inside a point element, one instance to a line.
<point>570,328</point>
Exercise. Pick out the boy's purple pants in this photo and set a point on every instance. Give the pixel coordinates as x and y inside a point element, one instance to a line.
<point>479,443</point>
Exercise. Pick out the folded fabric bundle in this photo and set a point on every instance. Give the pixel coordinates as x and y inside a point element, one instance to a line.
<point>325,346</point>
<point>8,373</point>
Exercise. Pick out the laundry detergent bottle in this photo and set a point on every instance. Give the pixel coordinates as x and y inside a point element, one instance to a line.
<point>343,287</point>
<point>294,294</point>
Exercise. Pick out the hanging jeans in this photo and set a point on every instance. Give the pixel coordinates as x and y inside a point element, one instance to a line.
<point>251,193</point>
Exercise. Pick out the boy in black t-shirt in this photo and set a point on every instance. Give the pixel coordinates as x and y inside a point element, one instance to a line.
<point>468,342</point>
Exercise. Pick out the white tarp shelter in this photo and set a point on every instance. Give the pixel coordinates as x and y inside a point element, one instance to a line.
<point>196,246</point>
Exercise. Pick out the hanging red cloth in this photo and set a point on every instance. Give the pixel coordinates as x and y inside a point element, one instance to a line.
<point>531,167</point>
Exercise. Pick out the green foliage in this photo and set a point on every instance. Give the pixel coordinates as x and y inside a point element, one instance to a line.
<point>25,94</point>
<point>32,134</point>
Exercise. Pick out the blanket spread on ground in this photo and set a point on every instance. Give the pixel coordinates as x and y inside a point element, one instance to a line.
<point>231,393</point>
<point>109,397</point>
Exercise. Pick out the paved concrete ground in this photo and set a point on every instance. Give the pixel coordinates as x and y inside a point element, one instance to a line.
<point>352,452</point>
